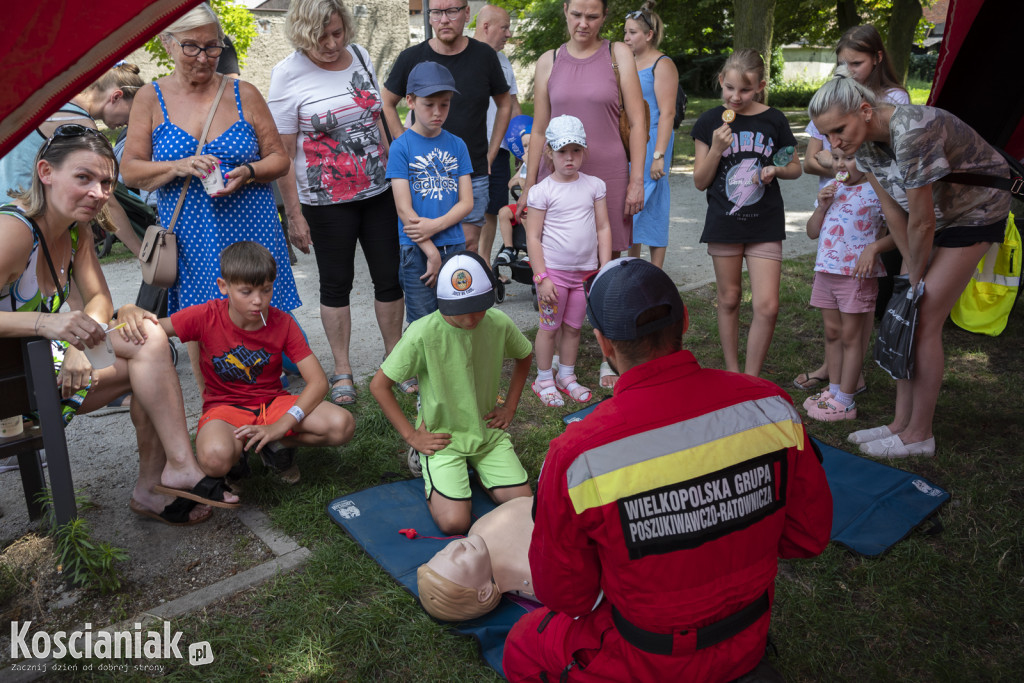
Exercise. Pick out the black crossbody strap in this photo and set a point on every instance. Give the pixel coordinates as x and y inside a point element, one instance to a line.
<point>46,254</point>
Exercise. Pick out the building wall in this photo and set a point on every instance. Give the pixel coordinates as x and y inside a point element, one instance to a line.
<point>381,26</point>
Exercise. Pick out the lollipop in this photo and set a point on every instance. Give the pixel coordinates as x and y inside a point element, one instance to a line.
<point>843,176</point>
<point>728,116</point>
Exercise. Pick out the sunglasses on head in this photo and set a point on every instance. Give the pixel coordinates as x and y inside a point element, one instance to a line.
<point>640,14</point>
<point>70,130</point>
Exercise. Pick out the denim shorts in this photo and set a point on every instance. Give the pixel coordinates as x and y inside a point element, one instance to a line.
<point>420,300</point>
<point>481,195</point>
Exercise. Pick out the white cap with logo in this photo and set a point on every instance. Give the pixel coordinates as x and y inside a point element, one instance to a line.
<point>465,284</point>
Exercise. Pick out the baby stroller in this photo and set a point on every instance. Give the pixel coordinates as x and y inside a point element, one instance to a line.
<point>515,260</point>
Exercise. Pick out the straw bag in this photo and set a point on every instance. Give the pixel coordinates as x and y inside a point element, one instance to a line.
<point>624,127</point>
<point>159,253</point>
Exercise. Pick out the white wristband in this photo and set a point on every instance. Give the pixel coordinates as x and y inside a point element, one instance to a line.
<point>297,413</point>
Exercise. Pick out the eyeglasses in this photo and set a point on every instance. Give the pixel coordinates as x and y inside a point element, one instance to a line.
<point>452,13</point>
<point>193,50</point>
<point>70,130</point>
<point>641,14</point>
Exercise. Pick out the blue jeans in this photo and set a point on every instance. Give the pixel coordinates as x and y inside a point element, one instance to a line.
<point>420,300</point>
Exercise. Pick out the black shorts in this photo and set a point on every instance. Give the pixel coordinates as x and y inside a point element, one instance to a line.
<point>968,235</point>
<point>501,173</point>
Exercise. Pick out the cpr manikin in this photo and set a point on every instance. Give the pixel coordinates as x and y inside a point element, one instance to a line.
<point>466,579</point>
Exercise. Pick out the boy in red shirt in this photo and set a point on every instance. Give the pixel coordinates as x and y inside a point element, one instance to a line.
<point>241,342</point>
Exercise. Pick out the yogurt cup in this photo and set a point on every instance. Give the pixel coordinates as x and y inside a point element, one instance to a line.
<point>11,426</point>
<point>214,181</point>
<point>102,355</point>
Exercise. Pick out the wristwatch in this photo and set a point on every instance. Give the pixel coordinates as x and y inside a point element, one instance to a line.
<point>252,174</point>
<point>657,155</point>
<point>539,277</point>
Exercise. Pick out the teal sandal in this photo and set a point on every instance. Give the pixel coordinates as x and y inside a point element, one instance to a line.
<point>342,394</point>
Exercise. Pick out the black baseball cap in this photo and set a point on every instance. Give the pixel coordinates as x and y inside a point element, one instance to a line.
<point>623,290</point>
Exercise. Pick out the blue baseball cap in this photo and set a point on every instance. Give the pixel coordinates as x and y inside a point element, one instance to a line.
<point>517,127</point>
<point>429,78</point>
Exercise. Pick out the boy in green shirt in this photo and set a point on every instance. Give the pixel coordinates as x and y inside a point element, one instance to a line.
<point>457,353</point>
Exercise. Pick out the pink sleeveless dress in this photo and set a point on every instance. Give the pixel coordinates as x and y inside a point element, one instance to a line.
<point>587,89</point>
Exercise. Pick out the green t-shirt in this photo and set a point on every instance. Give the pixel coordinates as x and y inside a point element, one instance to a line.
<point>458,373</point>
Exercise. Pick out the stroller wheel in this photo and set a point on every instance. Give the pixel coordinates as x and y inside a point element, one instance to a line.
<point>499,292</point>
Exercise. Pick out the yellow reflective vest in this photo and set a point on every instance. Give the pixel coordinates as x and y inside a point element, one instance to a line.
<point>984,307</point>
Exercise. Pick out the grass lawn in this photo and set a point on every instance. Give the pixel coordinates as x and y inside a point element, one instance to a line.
<point>943,607</point>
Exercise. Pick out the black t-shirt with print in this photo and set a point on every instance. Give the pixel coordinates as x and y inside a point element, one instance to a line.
<point>741,209</point>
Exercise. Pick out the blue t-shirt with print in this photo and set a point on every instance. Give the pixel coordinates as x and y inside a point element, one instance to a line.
<point>433,167</point>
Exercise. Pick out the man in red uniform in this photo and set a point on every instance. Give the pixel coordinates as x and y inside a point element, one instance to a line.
<point>676,497</point>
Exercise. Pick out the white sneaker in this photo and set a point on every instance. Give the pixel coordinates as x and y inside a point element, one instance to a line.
<point>868,435</point>
<point>893,447</point>
<point>413,460</point>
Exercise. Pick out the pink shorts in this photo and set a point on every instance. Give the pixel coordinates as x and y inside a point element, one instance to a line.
<point>847,293</point>
<point>768,250</point>
<point>571,307</point>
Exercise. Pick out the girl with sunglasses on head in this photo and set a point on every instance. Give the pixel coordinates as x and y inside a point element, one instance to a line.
<point>44,248</point>
<point>659,80</point>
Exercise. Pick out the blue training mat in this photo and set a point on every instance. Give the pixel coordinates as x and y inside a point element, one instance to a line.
<point>372,517</point>
<point>874,505</point>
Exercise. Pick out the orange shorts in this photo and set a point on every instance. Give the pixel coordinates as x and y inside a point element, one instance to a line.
<point>240,416</point>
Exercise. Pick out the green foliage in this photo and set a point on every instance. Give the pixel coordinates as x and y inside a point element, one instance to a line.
<point>922,67</point>
<point>814,21</point>
<point>691,26</point>
<point>235,20</point>
<point>87,563</point>
<point>792,94</point>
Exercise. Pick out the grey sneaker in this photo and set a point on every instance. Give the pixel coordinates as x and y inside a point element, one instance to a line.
<point>413,459</point>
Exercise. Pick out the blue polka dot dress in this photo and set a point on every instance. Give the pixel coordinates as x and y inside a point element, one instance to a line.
<point>206,225</point>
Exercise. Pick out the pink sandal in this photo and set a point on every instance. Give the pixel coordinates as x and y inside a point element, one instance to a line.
<point>573,389</point>
<point>547,392</point>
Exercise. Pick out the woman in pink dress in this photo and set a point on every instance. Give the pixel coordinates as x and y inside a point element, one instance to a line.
<point>578,79</point>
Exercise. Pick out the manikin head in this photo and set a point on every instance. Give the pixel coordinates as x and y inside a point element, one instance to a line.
<point>457,583</point>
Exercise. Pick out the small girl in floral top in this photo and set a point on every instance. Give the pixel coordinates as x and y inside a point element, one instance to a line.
<point>849,227</point>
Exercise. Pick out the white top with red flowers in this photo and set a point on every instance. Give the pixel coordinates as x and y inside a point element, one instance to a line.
<point>339,157</point>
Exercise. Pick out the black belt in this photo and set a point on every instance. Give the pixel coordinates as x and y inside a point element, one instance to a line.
<point>690,640</point>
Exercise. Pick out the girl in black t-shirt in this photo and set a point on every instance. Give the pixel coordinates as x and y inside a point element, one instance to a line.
<point>741,148</point>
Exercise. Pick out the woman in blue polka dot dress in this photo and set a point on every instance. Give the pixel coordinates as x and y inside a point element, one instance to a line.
<point>161,152</point>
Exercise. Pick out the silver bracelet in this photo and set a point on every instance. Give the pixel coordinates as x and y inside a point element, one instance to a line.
<point>297,413</point>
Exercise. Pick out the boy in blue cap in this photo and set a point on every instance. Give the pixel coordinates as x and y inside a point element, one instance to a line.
<point>430,171</point>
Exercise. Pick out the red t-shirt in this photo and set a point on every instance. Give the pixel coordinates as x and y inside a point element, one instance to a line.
<point>240,367</point>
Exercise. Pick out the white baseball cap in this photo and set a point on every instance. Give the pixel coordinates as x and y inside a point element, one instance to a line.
<point>465,284</point>
<point>565,130</point>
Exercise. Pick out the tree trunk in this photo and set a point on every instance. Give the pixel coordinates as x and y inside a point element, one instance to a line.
<point>754,21</point>
<point>846,14</point>
<point>902,25</point>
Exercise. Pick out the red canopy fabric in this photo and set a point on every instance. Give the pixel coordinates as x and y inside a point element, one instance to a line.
<point>976,76</point>
<point>53,49</point>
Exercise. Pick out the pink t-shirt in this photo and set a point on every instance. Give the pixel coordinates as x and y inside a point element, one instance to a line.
<point>569,239</point>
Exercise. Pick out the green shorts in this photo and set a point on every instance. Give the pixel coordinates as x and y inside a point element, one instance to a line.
<point>448,475</point>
